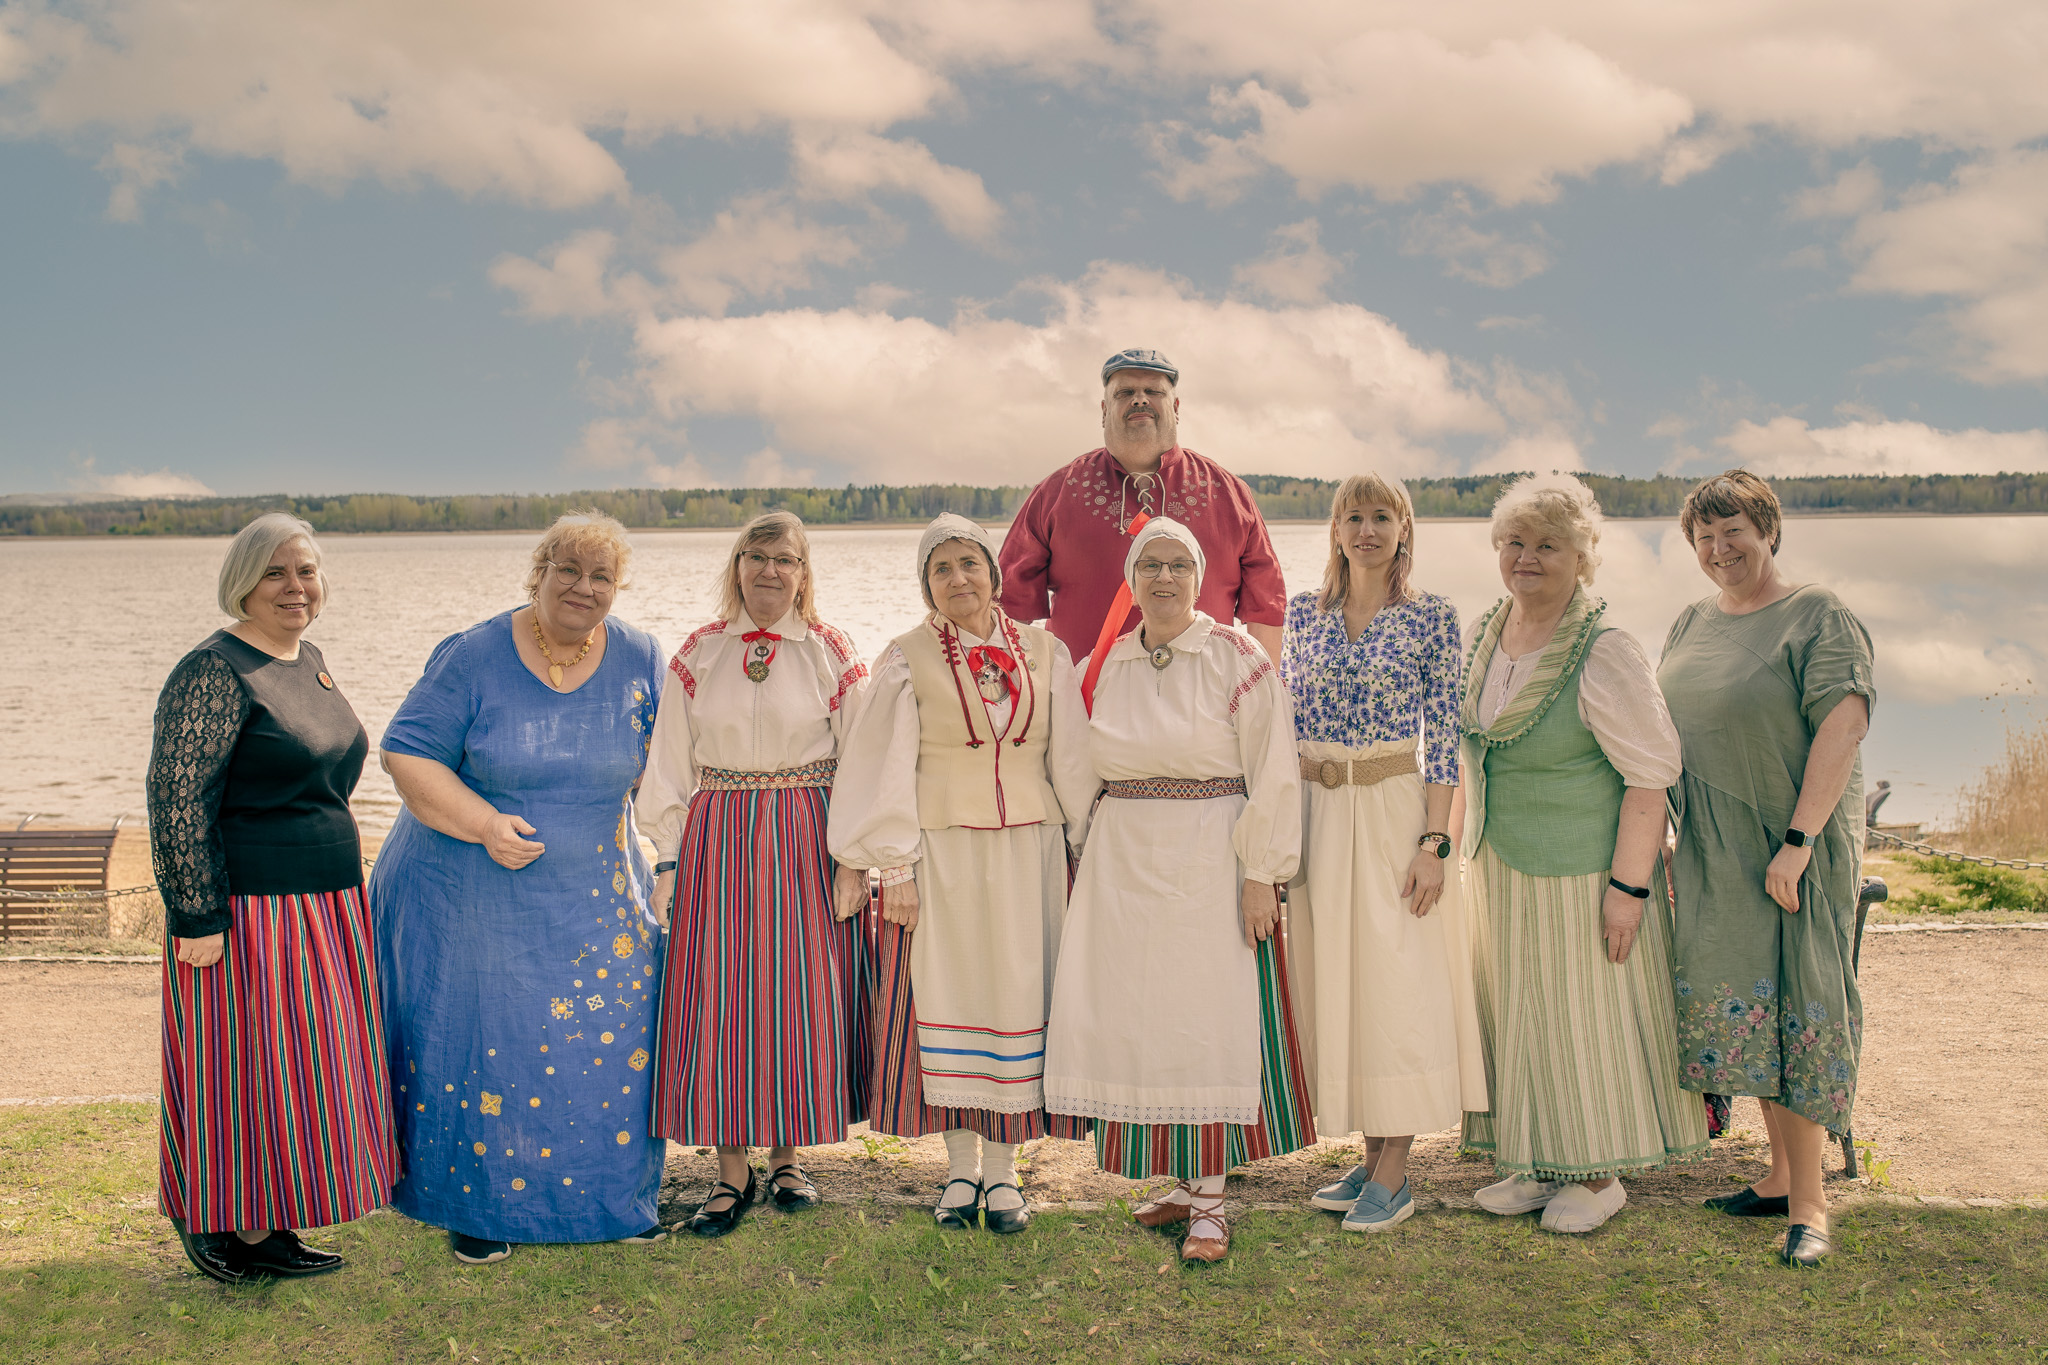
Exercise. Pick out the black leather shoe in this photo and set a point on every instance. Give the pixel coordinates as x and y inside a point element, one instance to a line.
<point>1004,1220</point>
<point>1747,1203</point>
<point>706,1223</point>
<point>958,1217</point>
<point>216,1255</point>
<point>477,1250</point>
<point>282,1253</point>
<point>1805,1246</point>
<point>802,1195</point>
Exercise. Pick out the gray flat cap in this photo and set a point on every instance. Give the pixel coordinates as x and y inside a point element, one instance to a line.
<point>1139,359</point>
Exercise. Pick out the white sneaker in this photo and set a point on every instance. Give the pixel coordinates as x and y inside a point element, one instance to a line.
<point>1517,1194</point>
<point>1577,1209</point>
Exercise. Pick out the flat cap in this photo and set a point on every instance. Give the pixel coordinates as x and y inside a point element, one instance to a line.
<point>1139,359</point>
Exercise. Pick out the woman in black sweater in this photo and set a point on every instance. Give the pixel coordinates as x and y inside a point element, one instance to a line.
<point>276,1112</point>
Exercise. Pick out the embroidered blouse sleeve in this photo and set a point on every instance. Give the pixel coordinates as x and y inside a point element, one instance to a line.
<point>1069,764</point>
<point>1442,672</point>
<point>1267,836</point>
<point>199,720</point>
<point>662,808</point>
<point>846,688</point>
<point>1620,702</point>
<point>874,821</point>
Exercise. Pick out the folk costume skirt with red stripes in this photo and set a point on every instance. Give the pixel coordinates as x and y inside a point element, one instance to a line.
<point>276,1103</point>
<point>762,1038</point>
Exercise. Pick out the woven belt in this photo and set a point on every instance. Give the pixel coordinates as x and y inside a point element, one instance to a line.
<point>1174,788</point>
<point>1358,772</point>
<point>817,774</point>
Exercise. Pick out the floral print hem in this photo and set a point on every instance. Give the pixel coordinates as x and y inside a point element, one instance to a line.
<point>1730,1043</point>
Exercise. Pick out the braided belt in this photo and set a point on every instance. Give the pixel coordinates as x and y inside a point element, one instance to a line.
<point>1174,788</point>
<point>1358,772</point>
<point>817,774</point>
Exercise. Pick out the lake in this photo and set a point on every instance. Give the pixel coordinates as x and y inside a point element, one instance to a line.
<point>1958,607</point>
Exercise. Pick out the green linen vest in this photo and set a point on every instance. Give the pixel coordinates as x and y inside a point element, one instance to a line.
<point>1553,800</point>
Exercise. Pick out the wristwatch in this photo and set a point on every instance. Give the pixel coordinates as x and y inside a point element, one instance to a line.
<point>1442,841</point>
<point>1797,838</point>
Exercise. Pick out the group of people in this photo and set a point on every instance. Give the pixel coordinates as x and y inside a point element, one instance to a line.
<point>1252,867</point>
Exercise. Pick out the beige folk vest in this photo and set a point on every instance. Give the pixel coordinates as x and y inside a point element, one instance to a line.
<point>998,782</point>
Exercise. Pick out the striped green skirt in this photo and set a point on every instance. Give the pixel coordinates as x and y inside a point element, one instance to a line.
<point>1189,1151</point>
<point>1581,1055</point>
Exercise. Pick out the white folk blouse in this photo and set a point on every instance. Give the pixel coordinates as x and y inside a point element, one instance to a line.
<point>1619,701</point>
<point>713,715</point>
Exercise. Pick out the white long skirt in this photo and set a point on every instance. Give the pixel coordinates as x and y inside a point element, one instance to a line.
<point>1391,1029</point>
<point>1155,1013</point>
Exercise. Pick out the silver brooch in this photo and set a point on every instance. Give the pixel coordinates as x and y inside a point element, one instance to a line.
<point>1162,656</point>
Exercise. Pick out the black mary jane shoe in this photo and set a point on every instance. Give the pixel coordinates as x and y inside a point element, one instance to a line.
<point>1805,1246</point>
<point>790,1198</point>
<point>1747,1203</point>
<point>1004,1220</point>
<point>216,1255</point>
<point>705,1223</point>
<point>282,1253</point>
<point>959,1217</point>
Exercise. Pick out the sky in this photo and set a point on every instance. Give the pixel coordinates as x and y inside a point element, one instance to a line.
<point>439,246</point>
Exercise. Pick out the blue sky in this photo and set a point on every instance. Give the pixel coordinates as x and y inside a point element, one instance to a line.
<point>248,245</point>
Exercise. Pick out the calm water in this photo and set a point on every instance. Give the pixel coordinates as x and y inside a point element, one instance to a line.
<point>1958,608</point>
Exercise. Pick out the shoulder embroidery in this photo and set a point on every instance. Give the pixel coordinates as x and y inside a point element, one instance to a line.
<point>680,668</point>
<point>1251,680</point>
<point>851,669</point>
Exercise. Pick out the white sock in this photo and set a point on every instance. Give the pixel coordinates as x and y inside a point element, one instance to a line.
<point>1208,1187</point>
<point>998,1167</point>
<point>963,1162</point>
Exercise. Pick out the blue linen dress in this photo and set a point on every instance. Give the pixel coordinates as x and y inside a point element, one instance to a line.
<point>519,1005</point>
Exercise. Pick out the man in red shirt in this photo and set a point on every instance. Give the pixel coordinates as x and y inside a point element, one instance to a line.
<point>1063,559</point>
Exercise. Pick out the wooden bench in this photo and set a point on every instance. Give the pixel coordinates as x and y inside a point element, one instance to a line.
<point>50,859</point>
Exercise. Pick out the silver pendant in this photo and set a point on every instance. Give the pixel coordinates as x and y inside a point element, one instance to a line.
<point>1162,656</point>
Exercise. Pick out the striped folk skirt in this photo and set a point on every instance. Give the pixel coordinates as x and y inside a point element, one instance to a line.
<point>276,1105</point>
<point>1189,1151</point>
<point>760,1040</point>
<point>1581,1055</point>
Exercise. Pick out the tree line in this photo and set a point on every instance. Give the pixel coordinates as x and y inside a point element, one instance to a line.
<point>1279,498</point>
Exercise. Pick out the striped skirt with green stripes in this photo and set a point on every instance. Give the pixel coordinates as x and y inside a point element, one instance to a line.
<point>1581,1054</point>
<point>1189,1151</point>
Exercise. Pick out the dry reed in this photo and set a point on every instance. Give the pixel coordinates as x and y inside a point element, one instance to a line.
<point>2004,813</point>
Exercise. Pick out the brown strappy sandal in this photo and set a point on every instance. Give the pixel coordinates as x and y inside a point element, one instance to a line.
<point>1197,1248</point>
<point>1161,1213</point>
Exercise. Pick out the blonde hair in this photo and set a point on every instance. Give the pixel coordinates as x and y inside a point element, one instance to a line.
<point>1554,504</point>
<point>582,534</point>
<point>769,526</point>
<point>249,557</point>
<point>1360,490</point>
<point>1730,493</point>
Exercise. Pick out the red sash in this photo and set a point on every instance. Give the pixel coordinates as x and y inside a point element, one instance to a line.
<point>1112,625</point>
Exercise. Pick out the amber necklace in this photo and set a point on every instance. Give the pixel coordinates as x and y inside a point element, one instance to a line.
<point>555,669</point>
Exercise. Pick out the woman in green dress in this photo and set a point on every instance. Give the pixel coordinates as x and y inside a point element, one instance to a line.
<point>1769,684</point>
<point>1567,753</point>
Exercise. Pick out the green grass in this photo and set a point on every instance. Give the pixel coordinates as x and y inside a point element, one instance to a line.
<point>89,1272</point>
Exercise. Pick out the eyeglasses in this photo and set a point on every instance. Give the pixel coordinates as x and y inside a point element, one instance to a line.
<point>1152,568</point>
<point>569,575</point>
<point>756,562</point>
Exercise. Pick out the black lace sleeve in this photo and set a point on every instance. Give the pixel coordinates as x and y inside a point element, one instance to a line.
<point>199,718</point>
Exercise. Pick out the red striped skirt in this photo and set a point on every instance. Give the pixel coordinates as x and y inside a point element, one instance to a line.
<point>898,1087</point>
<point>276,1105</point>
<point>759,1041</point>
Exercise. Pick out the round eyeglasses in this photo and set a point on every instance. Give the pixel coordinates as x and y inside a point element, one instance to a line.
<point>1179,568</point>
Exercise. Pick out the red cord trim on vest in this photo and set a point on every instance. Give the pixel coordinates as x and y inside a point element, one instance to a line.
<point>950,644</point>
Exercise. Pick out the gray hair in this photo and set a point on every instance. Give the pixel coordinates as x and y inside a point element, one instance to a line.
<point>250,554</point>
<point>1555,505</point>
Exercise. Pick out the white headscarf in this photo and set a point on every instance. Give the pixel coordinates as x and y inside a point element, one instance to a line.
<point>1160,528</point>
<point>952,526</point>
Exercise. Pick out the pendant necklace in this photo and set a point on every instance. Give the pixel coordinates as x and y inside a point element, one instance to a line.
<point>760,653</point>
<point>1160,656</point>
<point>555,669</point>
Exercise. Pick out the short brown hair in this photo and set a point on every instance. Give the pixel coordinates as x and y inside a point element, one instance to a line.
<point>581,533</point>
<point>1728,493</point>
<point>769,526</point>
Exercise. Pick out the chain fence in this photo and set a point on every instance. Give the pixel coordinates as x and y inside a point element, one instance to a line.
<point>1894,841</point>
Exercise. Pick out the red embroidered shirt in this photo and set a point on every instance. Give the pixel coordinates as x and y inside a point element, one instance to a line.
<point>1064,555</point>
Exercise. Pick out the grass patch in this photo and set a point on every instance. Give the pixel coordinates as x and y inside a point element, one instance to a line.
<point>1958,888</point>
<point>87,946</point>
<point>89,1272</point>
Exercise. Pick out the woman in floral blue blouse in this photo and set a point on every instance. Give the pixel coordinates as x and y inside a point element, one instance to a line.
<point>1376,924</point>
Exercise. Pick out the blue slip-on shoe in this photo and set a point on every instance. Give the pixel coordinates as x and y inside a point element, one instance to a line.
<point>1339,1198</point>
<point>1377,1210</point>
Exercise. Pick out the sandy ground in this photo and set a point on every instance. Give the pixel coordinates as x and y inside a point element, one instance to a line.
<point>1952,1092</point>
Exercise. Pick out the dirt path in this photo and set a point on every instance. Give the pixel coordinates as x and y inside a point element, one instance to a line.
<point>1952,1089</point>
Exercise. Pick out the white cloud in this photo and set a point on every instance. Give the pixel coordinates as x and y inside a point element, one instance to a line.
<point>1786,446</point>
<point>757,247</point>
<point>161,483</point>
<point>572,283</point>
<point>1855,191</point>
<point>1470,253</point>
<point>1295,270</point>
<point>847,165</point>
<point>1312,389</point>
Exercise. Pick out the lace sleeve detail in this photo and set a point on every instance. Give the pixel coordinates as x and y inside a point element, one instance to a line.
<point>199,719</point>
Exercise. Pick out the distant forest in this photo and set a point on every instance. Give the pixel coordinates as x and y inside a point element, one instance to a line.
<point>1279,498</point>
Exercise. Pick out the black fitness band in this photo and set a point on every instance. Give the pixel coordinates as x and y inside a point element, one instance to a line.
<point>660,868</point>
<point>1641,893</point>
